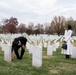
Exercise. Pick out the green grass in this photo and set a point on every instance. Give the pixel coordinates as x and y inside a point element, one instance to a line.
<point>52,65</point>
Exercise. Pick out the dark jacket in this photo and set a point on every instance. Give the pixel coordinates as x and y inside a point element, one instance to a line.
<point>22,40</point>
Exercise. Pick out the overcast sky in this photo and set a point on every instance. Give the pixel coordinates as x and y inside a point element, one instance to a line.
<point>37,11</point>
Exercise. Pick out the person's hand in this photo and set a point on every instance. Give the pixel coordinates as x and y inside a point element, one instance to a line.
<point>23,46</point>
<point>12,54</point>
<point>65,42</point>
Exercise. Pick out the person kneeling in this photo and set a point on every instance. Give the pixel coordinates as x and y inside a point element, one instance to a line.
<point>19,42</point>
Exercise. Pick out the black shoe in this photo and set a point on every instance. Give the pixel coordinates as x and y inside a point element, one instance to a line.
<point>20,58</point>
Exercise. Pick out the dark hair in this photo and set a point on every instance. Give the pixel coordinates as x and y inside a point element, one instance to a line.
<point>69,27</point>
<point>16,40</point>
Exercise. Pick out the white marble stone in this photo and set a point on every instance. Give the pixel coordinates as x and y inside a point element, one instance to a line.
<point>40,45</point>
<point>57,44</point>
<point>7,53</point>
<point>54,47</point>
<point>48,42</point>
<point>27,45</point>
<point>30,49</point>
<point>49,50</point>
<point>45,44</point>
<point>37,56</point>
<point>73,52</point>
<point>3,46</point>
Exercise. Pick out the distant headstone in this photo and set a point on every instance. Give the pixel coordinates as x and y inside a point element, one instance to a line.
<point>45,44</point>
<point>49,50</point>
<point>54,47</point>
<point>30,49</point>
<point>27,45</point>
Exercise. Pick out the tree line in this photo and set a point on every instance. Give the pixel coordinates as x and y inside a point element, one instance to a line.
<point>56,26</point>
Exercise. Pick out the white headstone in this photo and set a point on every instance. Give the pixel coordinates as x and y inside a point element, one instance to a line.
<point>73,52</point>
<point>49,50</point>
<point>3,46</point>
<point>30,49</point>
<point>45,44</point>
<point>54,47</point>
<point>7,53</point>
<point>40,45</point>
<point>37,56</point>
<point>27,45</point>
<point>57,44</point>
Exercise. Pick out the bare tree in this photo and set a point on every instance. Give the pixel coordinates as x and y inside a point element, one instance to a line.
<point>38,29</point>
<point>21,28</point>
<point>72,22</point>
<point>1,29</point>
<point>29,29</point>
<point>9,25</point>
<point>57,24</point>
<point>47,29</point>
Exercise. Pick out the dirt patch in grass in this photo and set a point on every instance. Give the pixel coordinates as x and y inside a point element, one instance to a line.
<point>53,71</point>
<point>49,56</point>
<point>67,67</point>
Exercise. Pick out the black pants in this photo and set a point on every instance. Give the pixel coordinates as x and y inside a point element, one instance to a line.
<point>16,48</point>
<point>67,56</point>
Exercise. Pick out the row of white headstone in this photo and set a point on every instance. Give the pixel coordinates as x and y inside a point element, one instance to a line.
<point>35,50</point>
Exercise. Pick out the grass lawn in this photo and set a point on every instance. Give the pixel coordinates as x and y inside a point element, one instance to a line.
<point>52,65</point>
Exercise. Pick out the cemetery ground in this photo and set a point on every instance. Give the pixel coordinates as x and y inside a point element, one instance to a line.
<point>51,65</point>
